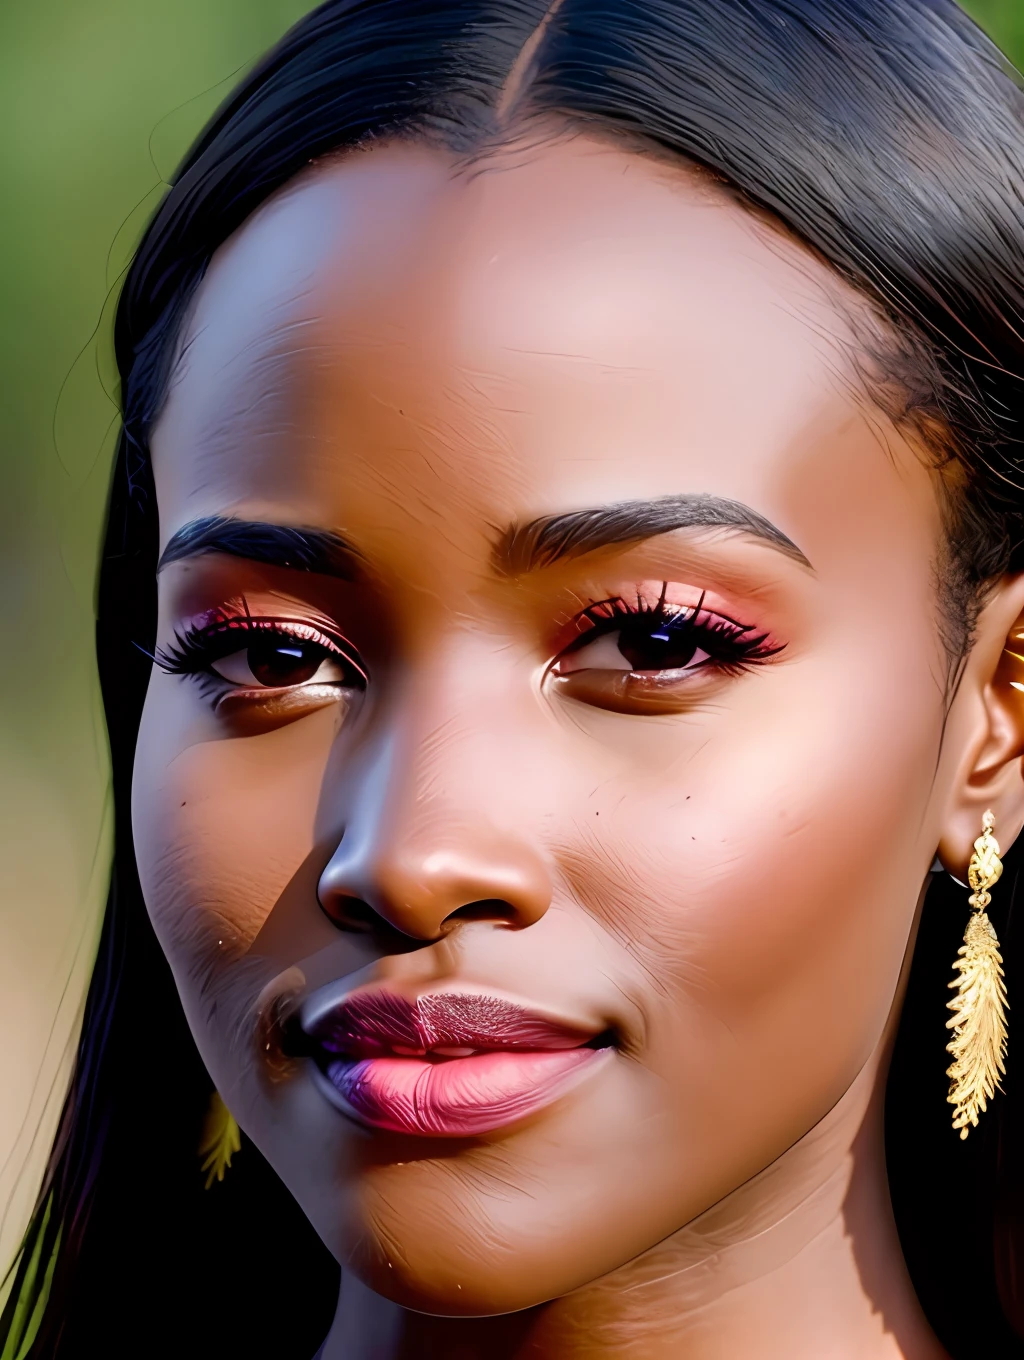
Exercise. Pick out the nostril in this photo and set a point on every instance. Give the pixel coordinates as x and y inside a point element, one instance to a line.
<point>349,913</point>
<point>487,909</point>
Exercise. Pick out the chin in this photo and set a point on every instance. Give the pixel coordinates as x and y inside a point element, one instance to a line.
<point>438,1279</point>
<point>426,1241</point>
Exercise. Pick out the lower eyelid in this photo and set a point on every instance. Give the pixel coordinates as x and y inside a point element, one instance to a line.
<point>279,704</point>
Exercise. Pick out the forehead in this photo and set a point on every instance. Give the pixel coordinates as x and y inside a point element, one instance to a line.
<point>563,324</point>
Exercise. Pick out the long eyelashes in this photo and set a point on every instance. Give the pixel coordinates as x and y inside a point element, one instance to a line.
<point>647,638</point>
<point>674,629</point>
<point>196,649</point>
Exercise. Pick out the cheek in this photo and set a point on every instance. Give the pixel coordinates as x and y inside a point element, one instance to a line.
<point>762,890</point>
<point>221,826</point>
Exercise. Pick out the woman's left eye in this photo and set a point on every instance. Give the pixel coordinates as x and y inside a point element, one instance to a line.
<point>645,658</point>
<point>640,645</point>
<point>281,663</point>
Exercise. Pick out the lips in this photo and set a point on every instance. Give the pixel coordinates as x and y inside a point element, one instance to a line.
<point>447,1065</point>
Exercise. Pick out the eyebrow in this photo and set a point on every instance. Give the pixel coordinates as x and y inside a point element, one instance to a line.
<point>278,545</point>
<point>553,538</point>
<point>521,548</point>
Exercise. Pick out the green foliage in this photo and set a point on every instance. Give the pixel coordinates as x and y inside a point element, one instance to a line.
<point>98,99</point>
<point>1004,20</point>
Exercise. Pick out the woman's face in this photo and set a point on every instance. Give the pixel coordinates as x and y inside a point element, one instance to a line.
<point>538,865</point>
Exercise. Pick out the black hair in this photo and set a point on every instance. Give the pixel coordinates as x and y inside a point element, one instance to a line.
<point>885,135</point>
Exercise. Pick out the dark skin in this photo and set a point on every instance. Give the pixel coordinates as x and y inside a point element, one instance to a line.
<point>720,861</point>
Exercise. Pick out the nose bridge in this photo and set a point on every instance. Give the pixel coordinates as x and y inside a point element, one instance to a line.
<point>434,775</point>
<point>431,824</point>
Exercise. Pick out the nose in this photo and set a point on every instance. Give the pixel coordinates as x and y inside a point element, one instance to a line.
<point>424,893</point>
<point>421,864</point>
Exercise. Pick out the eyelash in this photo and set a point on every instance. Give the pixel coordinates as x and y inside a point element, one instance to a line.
<point>195,650</point>
<point>731,647</point>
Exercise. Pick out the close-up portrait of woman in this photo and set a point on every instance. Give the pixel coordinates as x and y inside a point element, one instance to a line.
<point>561,633</point>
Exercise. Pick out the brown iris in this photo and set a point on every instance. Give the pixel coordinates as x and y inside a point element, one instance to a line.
<point>278,663</point>
<point>666,644</point>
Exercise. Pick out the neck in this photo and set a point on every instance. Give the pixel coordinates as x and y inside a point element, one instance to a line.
<point>801,1262</point>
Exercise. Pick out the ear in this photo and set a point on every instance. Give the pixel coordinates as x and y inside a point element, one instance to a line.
<point>986,728</point>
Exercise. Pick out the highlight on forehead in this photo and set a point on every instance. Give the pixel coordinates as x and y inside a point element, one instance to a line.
<point>240,352</point>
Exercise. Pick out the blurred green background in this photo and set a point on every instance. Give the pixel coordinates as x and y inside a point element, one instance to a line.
<point>98,99</point>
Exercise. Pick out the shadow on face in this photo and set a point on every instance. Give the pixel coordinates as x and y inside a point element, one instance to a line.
<point>542,781</point>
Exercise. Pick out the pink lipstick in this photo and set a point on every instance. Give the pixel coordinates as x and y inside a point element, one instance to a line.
<point>446,1065</point>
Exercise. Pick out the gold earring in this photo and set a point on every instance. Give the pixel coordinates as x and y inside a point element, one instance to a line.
<point>220,1141</point>
<point>978,1045</point>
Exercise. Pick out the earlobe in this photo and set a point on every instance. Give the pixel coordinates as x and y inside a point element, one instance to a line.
<point>986,721</point>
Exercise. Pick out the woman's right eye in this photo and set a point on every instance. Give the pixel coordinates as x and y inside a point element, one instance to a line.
<point>280,655</point>
<point>285,663</point>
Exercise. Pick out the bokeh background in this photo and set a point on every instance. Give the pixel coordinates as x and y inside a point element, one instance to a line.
<point>98,100</point>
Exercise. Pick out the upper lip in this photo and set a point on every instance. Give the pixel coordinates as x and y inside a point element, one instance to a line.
<point>378,1022</point>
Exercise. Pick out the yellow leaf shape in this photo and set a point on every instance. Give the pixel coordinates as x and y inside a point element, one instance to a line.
<point>220,1141</point>
<point>978,1046</point>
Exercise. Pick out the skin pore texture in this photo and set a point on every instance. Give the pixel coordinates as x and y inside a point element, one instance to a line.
<point>492,785</point>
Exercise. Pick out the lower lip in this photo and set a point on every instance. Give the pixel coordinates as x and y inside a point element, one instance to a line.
<point>457,1098</point>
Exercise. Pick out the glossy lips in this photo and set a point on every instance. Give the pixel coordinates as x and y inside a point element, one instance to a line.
<point>450,1065</point>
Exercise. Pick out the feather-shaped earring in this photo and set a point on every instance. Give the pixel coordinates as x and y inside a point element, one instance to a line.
<point>978,1023</point>
<point>220,1141</point>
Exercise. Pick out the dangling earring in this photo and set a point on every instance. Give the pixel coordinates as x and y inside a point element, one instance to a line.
<point>978,1045</point>
<point>220,1141</point>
